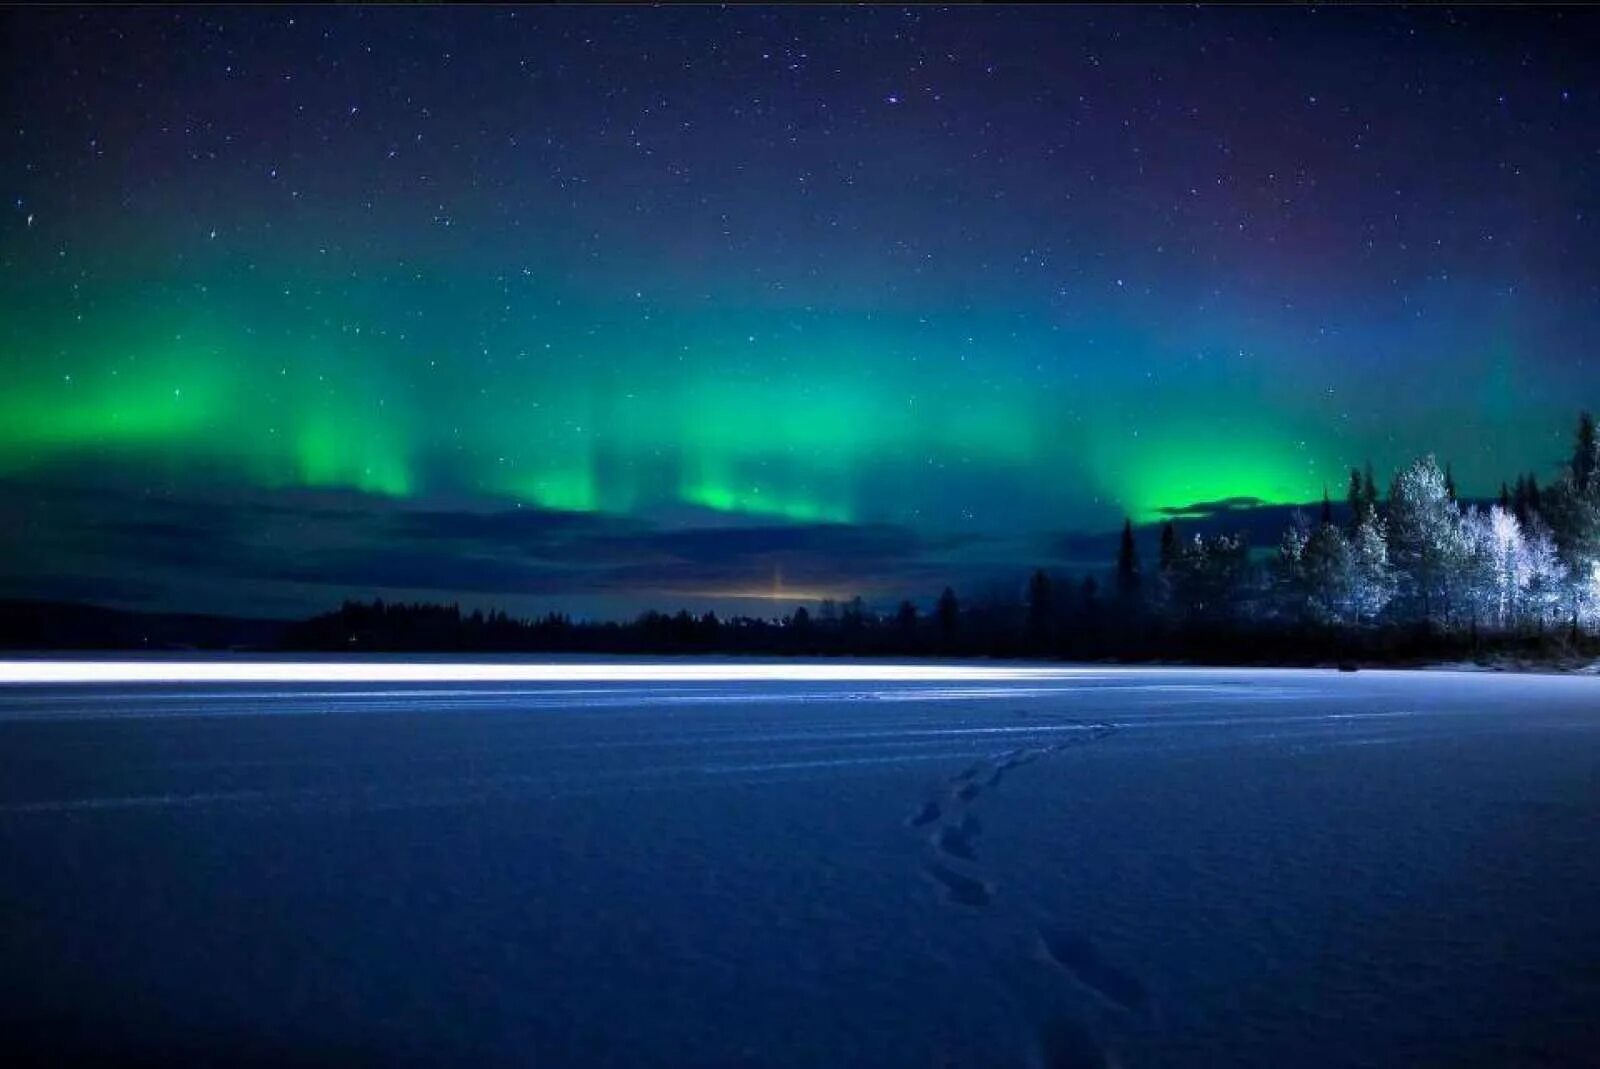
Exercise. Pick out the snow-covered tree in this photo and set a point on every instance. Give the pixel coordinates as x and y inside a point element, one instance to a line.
<point>1372,580</point>
<point>1545,592</point>
<point>1495,566</point>
<point>1573,512</point>
<point>1425,539</point>
<point>1289,568</point>
<point>1512,561</point>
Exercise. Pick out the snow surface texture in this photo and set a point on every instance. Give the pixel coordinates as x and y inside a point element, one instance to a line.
<point>1103,867</point>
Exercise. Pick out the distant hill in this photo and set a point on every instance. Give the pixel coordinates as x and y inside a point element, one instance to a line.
<point>59,625</point>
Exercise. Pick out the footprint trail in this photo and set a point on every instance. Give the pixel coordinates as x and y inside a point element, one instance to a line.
<point>1061,1040</point>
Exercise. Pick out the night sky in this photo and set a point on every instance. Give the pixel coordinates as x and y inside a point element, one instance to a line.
<point>599,308</point>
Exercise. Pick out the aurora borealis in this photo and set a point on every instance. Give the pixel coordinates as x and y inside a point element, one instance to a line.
<point>606,306</point>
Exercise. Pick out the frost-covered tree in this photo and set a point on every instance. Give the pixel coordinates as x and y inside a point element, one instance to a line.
<point>1494,567</point>
<point>1513,565</point>
<point>1425,542</point>
<point>1573,514</point>
<point>1372,579</point>
<point>1546,588</point>
<point>1290,588</point>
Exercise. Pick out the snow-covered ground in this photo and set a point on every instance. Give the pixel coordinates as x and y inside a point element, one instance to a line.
<point>1090,867</point>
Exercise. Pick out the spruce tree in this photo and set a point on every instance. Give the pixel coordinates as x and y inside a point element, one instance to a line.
<point>1356,500</point>
<point>1041,610</point>
<point>1584,456</point>
<point>1169,547</point>
<point>948,612</point>
<point>1127,563</point>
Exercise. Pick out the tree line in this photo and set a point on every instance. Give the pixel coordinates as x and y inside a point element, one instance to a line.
<point>1413,572</point>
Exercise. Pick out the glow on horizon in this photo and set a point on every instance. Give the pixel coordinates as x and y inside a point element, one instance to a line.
<point>93,672</point>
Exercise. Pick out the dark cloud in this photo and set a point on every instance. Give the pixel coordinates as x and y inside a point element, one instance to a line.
<point>875,543</point>
<point>297,553</point>
<point>527,529</point>
<point>440,568</point>
<point>1203,509</point>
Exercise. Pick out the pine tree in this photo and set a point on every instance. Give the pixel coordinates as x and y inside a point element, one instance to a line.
<point>1373,585</point>
<point>1327,508</point>
<point>1449,482</point>
<point>1369,492</point>
<point>1505,497</point>
<point>948,613</point>
<point>1166,568</point>
<point>1356,500</point>
<point>1289,567</point>
<point>1041,610</point>
<point>1127,563</point>
<point>1584,455</point>
<point>1169,547</point>
<point>1425,535</point>
<point>1329,573</point>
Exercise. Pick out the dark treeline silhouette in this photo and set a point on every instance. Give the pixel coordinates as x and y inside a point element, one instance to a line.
<point>1414,574</point>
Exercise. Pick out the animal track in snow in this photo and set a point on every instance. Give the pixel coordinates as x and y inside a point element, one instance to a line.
<point>1075,953</point>
<point>960,840</point>
<point>1062,1042</point>
<point>959,887</point>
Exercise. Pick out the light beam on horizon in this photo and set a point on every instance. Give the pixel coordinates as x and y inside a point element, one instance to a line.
<point>97,672</point>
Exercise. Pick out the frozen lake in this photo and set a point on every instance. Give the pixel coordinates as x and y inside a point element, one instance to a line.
<point>1071,868</point>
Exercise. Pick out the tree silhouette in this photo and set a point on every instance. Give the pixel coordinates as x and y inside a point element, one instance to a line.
<point>1584,455</point>
<point>1356,499</point>
<point>1128,577</point>
<point>1169,547</point>
<point>948,612</point>
<point>1041,610</point>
